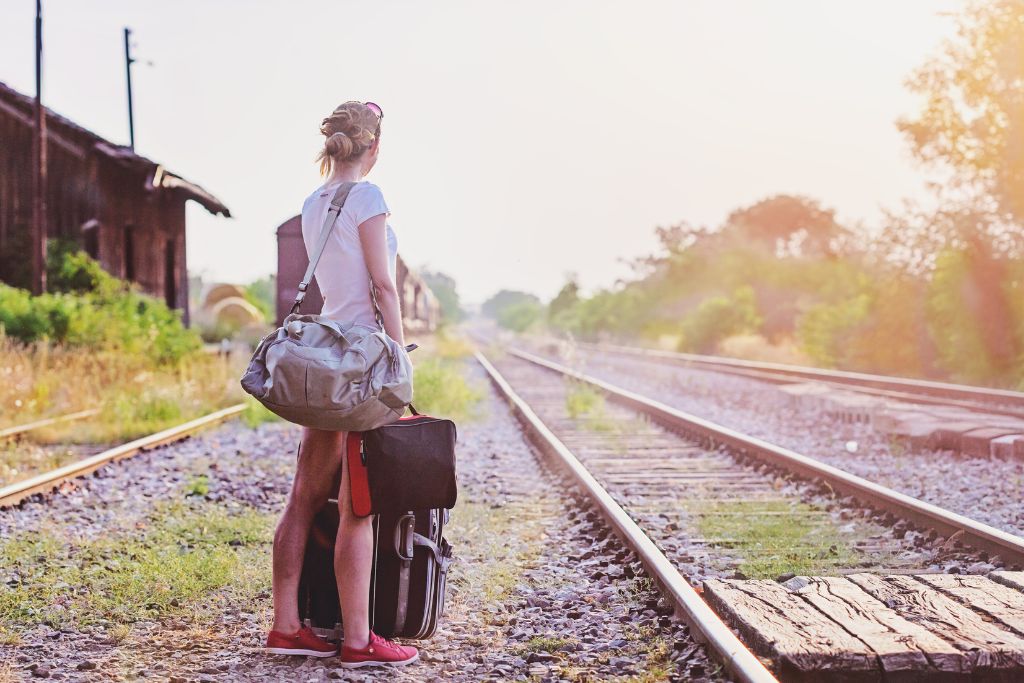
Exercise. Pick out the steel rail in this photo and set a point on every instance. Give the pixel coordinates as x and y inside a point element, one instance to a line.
<point>981,536</point>
<point>704,623</point>
<point>46,422</point>
<point>902,388</point>
<point>18,491</point>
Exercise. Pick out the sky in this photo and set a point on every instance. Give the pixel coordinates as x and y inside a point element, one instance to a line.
<point>522,141</point>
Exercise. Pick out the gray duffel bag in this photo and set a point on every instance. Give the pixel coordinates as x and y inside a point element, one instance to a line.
<point>320,373</point>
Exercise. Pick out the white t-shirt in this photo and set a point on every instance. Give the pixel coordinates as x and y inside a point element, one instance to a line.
<point>342,274</point>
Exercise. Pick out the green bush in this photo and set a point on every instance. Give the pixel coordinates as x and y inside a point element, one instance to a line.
<point>959,325</point>
<point>520,316</point>
<point>824,330</point>
<point>719,317</point>
<point>96,311</point>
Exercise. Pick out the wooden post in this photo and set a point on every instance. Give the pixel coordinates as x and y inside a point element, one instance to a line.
<point>39,189</point>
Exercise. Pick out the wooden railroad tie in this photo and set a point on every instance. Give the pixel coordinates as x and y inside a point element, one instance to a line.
<point>863,627</point>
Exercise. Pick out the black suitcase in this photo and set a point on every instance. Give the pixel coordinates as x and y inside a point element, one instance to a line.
<point>407,584</point>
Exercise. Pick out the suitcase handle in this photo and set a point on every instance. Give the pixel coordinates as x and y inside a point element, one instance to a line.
<point>405,536</point>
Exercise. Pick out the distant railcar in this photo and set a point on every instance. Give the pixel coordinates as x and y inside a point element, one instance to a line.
<point>420,308</point>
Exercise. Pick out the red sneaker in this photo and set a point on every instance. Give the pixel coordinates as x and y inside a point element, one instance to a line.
<point>379,651</point>
<point>302,642</point>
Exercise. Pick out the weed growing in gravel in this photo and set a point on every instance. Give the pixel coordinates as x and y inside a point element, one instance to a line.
<point>545,644</point>
<point>169,564</point>
<point>775,537</point>
<point>199,486</point>
<point>486,529</point>
<point>586,404</point>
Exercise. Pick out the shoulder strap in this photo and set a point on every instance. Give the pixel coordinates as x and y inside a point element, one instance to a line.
<point>332,214</point>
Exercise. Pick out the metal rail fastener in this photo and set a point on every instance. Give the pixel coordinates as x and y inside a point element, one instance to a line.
<point>704,623</point>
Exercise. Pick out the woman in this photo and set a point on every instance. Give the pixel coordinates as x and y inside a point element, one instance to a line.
<point>362,246</point>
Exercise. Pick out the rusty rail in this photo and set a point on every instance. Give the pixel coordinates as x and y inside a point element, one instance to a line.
<point>705,624</point>
<point>18,491</point>
<point>981,536</point>
<point>9,432</point>
<point>998,401</point>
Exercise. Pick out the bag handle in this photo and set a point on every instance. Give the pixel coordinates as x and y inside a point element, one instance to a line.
<point>337,202</point>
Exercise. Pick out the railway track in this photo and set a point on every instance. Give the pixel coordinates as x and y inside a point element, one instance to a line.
<point>680,476</point>
<point>925,392</point>
<point>14,493</point>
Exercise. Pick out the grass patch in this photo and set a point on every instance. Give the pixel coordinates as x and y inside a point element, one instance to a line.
<point>774,537</point>
<point>440,388</point>
<point>545,644</point>
<point>256,413</point>
<point>168,564</point>
<point>586,404</point>
<point>485,529</point>
<point>199,486</point>
<point>135,395</point>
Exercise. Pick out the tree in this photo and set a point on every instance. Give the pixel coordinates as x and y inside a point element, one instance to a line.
<point>566,299</point>
<point>443,287</point>
<point>972,122</point>
<point>789,224</point>
<point>493,307</point>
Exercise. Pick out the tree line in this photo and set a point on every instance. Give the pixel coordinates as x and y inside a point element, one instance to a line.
<point>933,292</point>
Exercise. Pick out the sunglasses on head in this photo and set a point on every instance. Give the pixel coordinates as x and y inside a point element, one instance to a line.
<point>375,108</point>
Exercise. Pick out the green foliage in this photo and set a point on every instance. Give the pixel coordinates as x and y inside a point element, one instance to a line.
<point>566,299</point>
<point>774,537</point>
<point>719,317</point>
<point>171,567</point>
<point>440,388</point>
<point>825,329</point>
<point>443,287</point>
<point>256,414</point>
<point>70,270</point>
<point>262,294</point>
<point>520,316</point>
<point>97,311</point>
<point>970,123</point>
<point>954,322</point>
<point>493,307</point>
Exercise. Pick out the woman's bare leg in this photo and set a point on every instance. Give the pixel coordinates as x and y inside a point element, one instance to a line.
<point>353,559</point>
<point>319,458</point>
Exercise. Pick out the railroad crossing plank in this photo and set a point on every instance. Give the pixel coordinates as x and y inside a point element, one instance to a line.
<point>990,648</point>
<point>1011,579</point>
<point>1002,603</point>
<point>804,643</point>
<point>906,651</point>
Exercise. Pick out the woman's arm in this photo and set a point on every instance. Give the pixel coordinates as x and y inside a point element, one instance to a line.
<point>373,237</point>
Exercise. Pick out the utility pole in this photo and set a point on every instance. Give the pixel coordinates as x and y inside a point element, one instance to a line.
<point>128,61</point>
<point>39,154</point>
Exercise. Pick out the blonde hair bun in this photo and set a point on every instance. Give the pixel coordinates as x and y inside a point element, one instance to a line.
<point>339,145</point>
<point>350,131</point>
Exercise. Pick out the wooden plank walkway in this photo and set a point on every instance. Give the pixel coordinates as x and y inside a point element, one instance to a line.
<point>863,627</point>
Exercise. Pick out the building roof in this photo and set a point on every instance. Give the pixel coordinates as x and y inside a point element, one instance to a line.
<point>80,141</point>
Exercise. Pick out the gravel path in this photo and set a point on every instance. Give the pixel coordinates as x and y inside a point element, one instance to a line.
<point>988,490</point>
<point>537,592</point>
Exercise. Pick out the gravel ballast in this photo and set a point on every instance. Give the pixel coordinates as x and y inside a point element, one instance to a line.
<point>538,591</point>
<point>985,489</point>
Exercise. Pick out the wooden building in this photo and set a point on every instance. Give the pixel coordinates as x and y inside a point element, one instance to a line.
<point>421,310</point>
<point>124,210</point>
